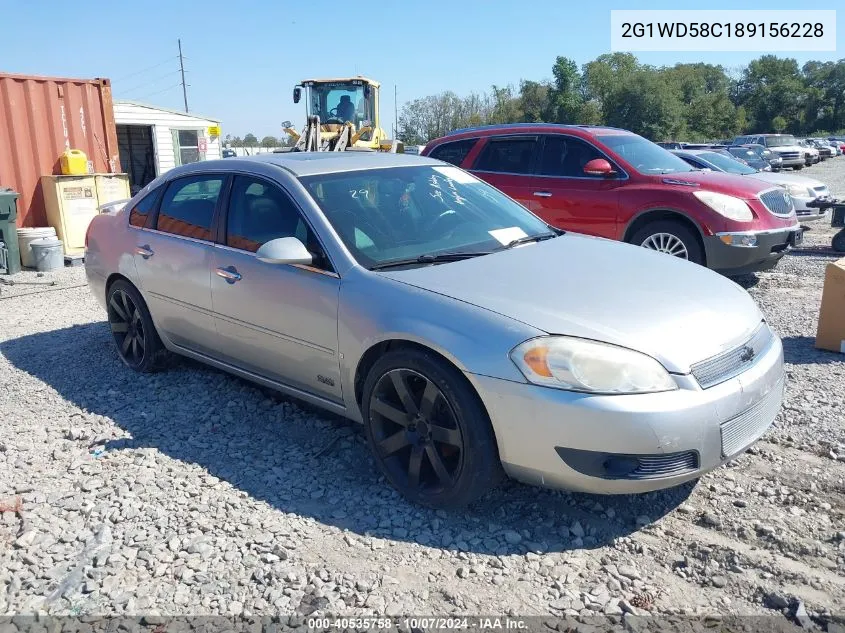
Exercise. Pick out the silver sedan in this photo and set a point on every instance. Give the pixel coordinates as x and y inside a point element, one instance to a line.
<point>470,338</point>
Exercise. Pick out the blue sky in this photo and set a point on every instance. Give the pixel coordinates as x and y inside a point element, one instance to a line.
<point>243,58</point>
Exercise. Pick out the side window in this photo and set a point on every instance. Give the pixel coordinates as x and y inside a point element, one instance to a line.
<point>260,212</point>
<point>141,211</point>
<point>566,156</point>
<point>187,207</point>
<point>514,155</point>
<point>454,152</point>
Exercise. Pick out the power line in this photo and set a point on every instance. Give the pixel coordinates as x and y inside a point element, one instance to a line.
<point>147,84</point>
<point>143,70</point>
<point>158,91</point>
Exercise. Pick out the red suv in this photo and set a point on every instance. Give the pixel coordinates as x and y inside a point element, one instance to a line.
<point>615,184</point>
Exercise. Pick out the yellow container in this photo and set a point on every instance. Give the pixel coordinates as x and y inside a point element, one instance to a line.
<point>74,162</point>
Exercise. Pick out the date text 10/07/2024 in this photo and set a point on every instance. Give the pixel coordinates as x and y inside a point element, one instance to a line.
<point>418,623</point>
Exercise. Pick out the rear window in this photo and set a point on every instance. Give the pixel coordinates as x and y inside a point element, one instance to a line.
<point>141,211</point>
<point>508,155</point>
<point>454,152</point>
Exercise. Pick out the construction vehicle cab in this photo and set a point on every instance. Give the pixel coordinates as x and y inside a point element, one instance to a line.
<point>345,113</point>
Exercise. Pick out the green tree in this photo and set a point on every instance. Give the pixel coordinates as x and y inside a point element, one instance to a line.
<point>270,141</point>
<point>535,101</point>
<point>646,104</point>
<point>778,124</point>
<point>565,95</point>
<point>604,74</point>
<point>770,87</point>
<point>250,140</point>
<point>234,141</point>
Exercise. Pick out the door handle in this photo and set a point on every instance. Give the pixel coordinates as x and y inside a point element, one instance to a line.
<point>230,274</point>
<point>144,251</point>
<point>543,194</point>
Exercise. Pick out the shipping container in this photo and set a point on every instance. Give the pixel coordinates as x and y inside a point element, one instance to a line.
<point>40,118</point>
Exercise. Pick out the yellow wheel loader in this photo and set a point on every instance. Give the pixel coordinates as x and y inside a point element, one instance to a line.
<point>341,114</point>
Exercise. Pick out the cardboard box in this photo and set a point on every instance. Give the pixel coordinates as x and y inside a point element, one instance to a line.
<point>831,332</point>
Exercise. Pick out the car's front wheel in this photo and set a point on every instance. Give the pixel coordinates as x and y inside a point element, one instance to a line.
<point>798,167</point>
<point>428,430</point>
<point>135,336</point>
<point>671,238</point>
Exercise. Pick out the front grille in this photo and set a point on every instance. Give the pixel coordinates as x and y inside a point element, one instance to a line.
<point>656,466</point>
<point>748,426</point>
<point>778,202</point>
<point>726,365</point>
<point>788,155</point>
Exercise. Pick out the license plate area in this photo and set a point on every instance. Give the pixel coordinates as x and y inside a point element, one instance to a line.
<point>796,238</point>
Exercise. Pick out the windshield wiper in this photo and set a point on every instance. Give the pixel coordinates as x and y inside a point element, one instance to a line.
<point>428,259</point>
<point>529,238</point>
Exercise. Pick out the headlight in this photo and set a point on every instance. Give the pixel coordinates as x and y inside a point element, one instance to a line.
<point>728,206</point>
<point>795,190</point>
<point>577,364</point>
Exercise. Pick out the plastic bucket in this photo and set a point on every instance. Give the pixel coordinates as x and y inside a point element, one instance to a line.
<point>48,254</point>
<point>28,235</point>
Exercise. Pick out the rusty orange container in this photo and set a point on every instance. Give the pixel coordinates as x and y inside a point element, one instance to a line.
<point>40,118</point>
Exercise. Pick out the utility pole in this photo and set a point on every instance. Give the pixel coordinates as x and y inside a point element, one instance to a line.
<point>182,69</point>
<point>395,113</point>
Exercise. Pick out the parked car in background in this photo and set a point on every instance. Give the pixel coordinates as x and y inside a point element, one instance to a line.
<point>824,148</point>
<point>467,336</point>
<point>802,190</point>
<point>229,153</point>
<point>670,144</point>
<point>615,184</point>
<point>811,154</point>
<point>765,153</point>
<point>784,145</point>
<point>749,157</point>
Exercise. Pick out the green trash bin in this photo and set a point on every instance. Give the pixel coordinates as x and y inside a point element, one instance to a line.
<point>9,232</point>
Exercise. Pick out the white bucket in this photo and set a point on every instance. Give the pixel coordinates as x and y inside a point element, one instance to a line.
<point>48,254</point>
<point>28,235</point>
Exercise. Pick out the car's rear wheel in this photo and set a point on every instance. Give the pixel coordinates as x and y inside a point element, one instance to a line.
<point>671,238</point>
<point>798,167</point>
<point>428,430</point>
<point>135,336</point>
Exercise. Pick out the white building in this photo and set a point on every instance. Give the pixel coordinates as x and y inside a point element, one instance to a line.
<point>153,140</point>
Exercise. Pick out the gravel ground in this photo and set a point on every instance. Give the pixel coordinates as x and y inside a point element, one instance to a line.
<point>193,492</point>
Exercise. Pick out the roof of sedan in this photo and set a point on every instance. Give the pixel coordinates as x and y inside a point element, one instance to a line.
<point>310,163</point>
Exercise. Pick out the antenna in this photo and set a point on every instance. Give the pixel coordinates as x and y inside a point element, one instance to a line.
<point>182,70</point>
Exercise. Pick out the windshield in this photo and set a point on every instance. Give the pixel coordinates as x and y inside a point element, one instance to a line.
<point>780,141</point>
<point>745,154</point>
<point>339,102</point>
<point>399,213</point>
<point>726,163</point>
<point>643,155</point>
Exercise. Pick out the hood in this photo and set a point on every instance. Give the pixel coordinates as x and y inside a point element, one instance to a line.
<point>675,311</point>
<point>720,182</point>
<point>787,148</point>
<point>791,179</point>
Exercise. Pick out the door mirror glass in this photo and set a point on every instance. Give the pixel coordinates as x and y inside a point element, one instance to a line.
<point>297,94</point>
<point>284,250</point>
<point>598,167</point>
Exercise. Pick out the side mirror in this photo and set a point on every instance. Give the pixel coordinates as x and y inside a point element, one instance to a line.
<point>297,94</point>
<point>284,250</point>
<point>598,167</point>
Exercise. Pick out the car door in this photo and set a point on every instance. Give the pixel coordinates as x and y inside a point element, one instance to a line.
<point>276,320</point>
<point>173,259</point>
<point>566,197</point>
<point>506,162</point>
